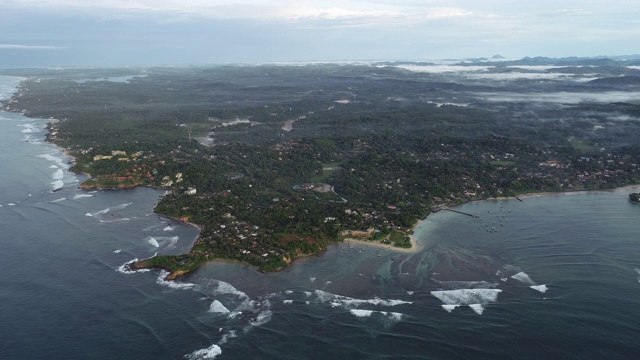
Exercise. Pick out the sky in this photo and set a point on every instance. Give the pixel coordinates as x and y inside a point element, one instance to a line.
<point>36,33</point>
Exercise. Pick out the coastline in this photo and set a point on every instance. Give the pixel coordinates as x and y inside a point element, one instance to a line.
<point>414,244</point>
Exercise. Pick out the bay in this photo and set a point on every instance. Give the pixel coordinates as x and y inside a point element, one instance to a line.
<point>550,277</point>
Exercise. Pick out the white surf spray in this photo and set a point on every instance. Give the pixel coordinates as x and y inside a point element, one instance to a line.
<point>449,308</point>
<point>153,242</point>
<point>168,228</point>
<point>478,308</point>
<point>218,308</point>
<point>542,288</point>
<point>162,280</point>
<point>205,354</point>
<point>58,175</point>
<point>345,301</point>
<point>81,196</point>
<point>523,278</point>
<point>287,301</point>
<point>467,297</point>
<point>361,313</point>
<point>56,185</point>
<point>58,200</point>
<point>121,206</point>
<point>226,337</point>
<point>127,269</point>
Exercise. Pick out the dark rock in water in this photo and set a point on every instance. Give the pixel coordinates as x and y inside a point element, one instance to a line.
<point>635,197</point>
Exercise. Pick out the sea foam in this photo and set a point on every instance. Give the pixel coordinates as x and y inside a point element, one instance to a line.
<point>541,288</point>
<point>58,184</point>
<point>339,300</point>
<point>478,308</point>
<point>162,280</point>
<point>218,308</point>
<point>474,298</point>
<point>80,196</point>
<point>153,242</point>
<point>127,269</point>
<point>205,354</point>
<point>523,278</point>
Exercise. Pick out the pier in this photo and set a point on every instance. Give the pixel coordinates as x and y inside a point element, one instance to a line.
<point>461,212</point>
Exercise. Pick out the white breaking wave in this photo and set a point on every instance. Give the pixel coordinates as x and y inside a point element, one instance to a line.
<point>29,128</point>
<point>225,338</point>
<point>410,292</point>
<point>523,278</point>
<point>58,184</point>
<point>58,175</point>
<point>117,251</point>
<point>449,308</point>
<point>153,242</point>
<point>478,308</point>
<point>121,206</point>
<point>168,228</point>
<point>287,301</point>
<point>204,354</point>
<point>339,300</point>
<point>58,200</point>
<point>80,196</point>
<point>312,279</point>
<point>162,280</point>
<point>262,318</point>
<point>462,297</point>
<point>361,313</point>
<point>218,308</point>
<point>542,288</point>
<point>126,268</point>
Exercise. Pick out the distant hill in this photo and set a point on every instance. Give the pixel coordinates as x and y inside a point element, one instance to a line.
<point>620,80</point>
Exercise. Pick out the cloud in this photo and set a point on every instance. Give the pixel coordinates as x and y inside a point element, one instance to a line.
<point>30,47</point>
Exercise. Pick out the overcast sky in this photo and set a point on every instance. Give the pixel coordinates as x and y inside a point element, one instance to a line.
<point>138,32</point>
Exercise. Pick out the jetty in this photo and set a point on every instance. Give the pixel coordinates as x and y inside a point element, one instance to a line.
<point>460,212</point>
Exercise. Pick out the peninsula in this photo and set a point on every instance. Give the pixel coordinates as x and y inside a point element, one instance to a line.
<point>276,162</point>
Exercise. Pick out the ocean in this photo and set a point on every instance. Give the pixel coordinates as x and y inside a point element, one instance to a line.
<point>551,277</point>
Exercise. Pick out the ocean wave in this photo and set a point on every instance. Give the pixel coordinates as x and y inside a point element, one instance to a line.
<point>542,288</point>
<point>287,301</point>
<point>153,242</point>
<point>262,318</point>
<point>168,228</point>
<point>81,196</point>
<point>58,200</point>
<point>162,280</point>
<point>523,278</point>
<point>58,175</point>
<point>468,297</point>
<point>218,308</point>
<point>478,308</point>
<point>345,301</point>
<point>205,354</point>
<point>361,313</point>
<point>127,269</point>
<point>121,206</point>
<point>449,308</point>
<point>452,285</point>
<point>58,184</point>
<point>226,337</point>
